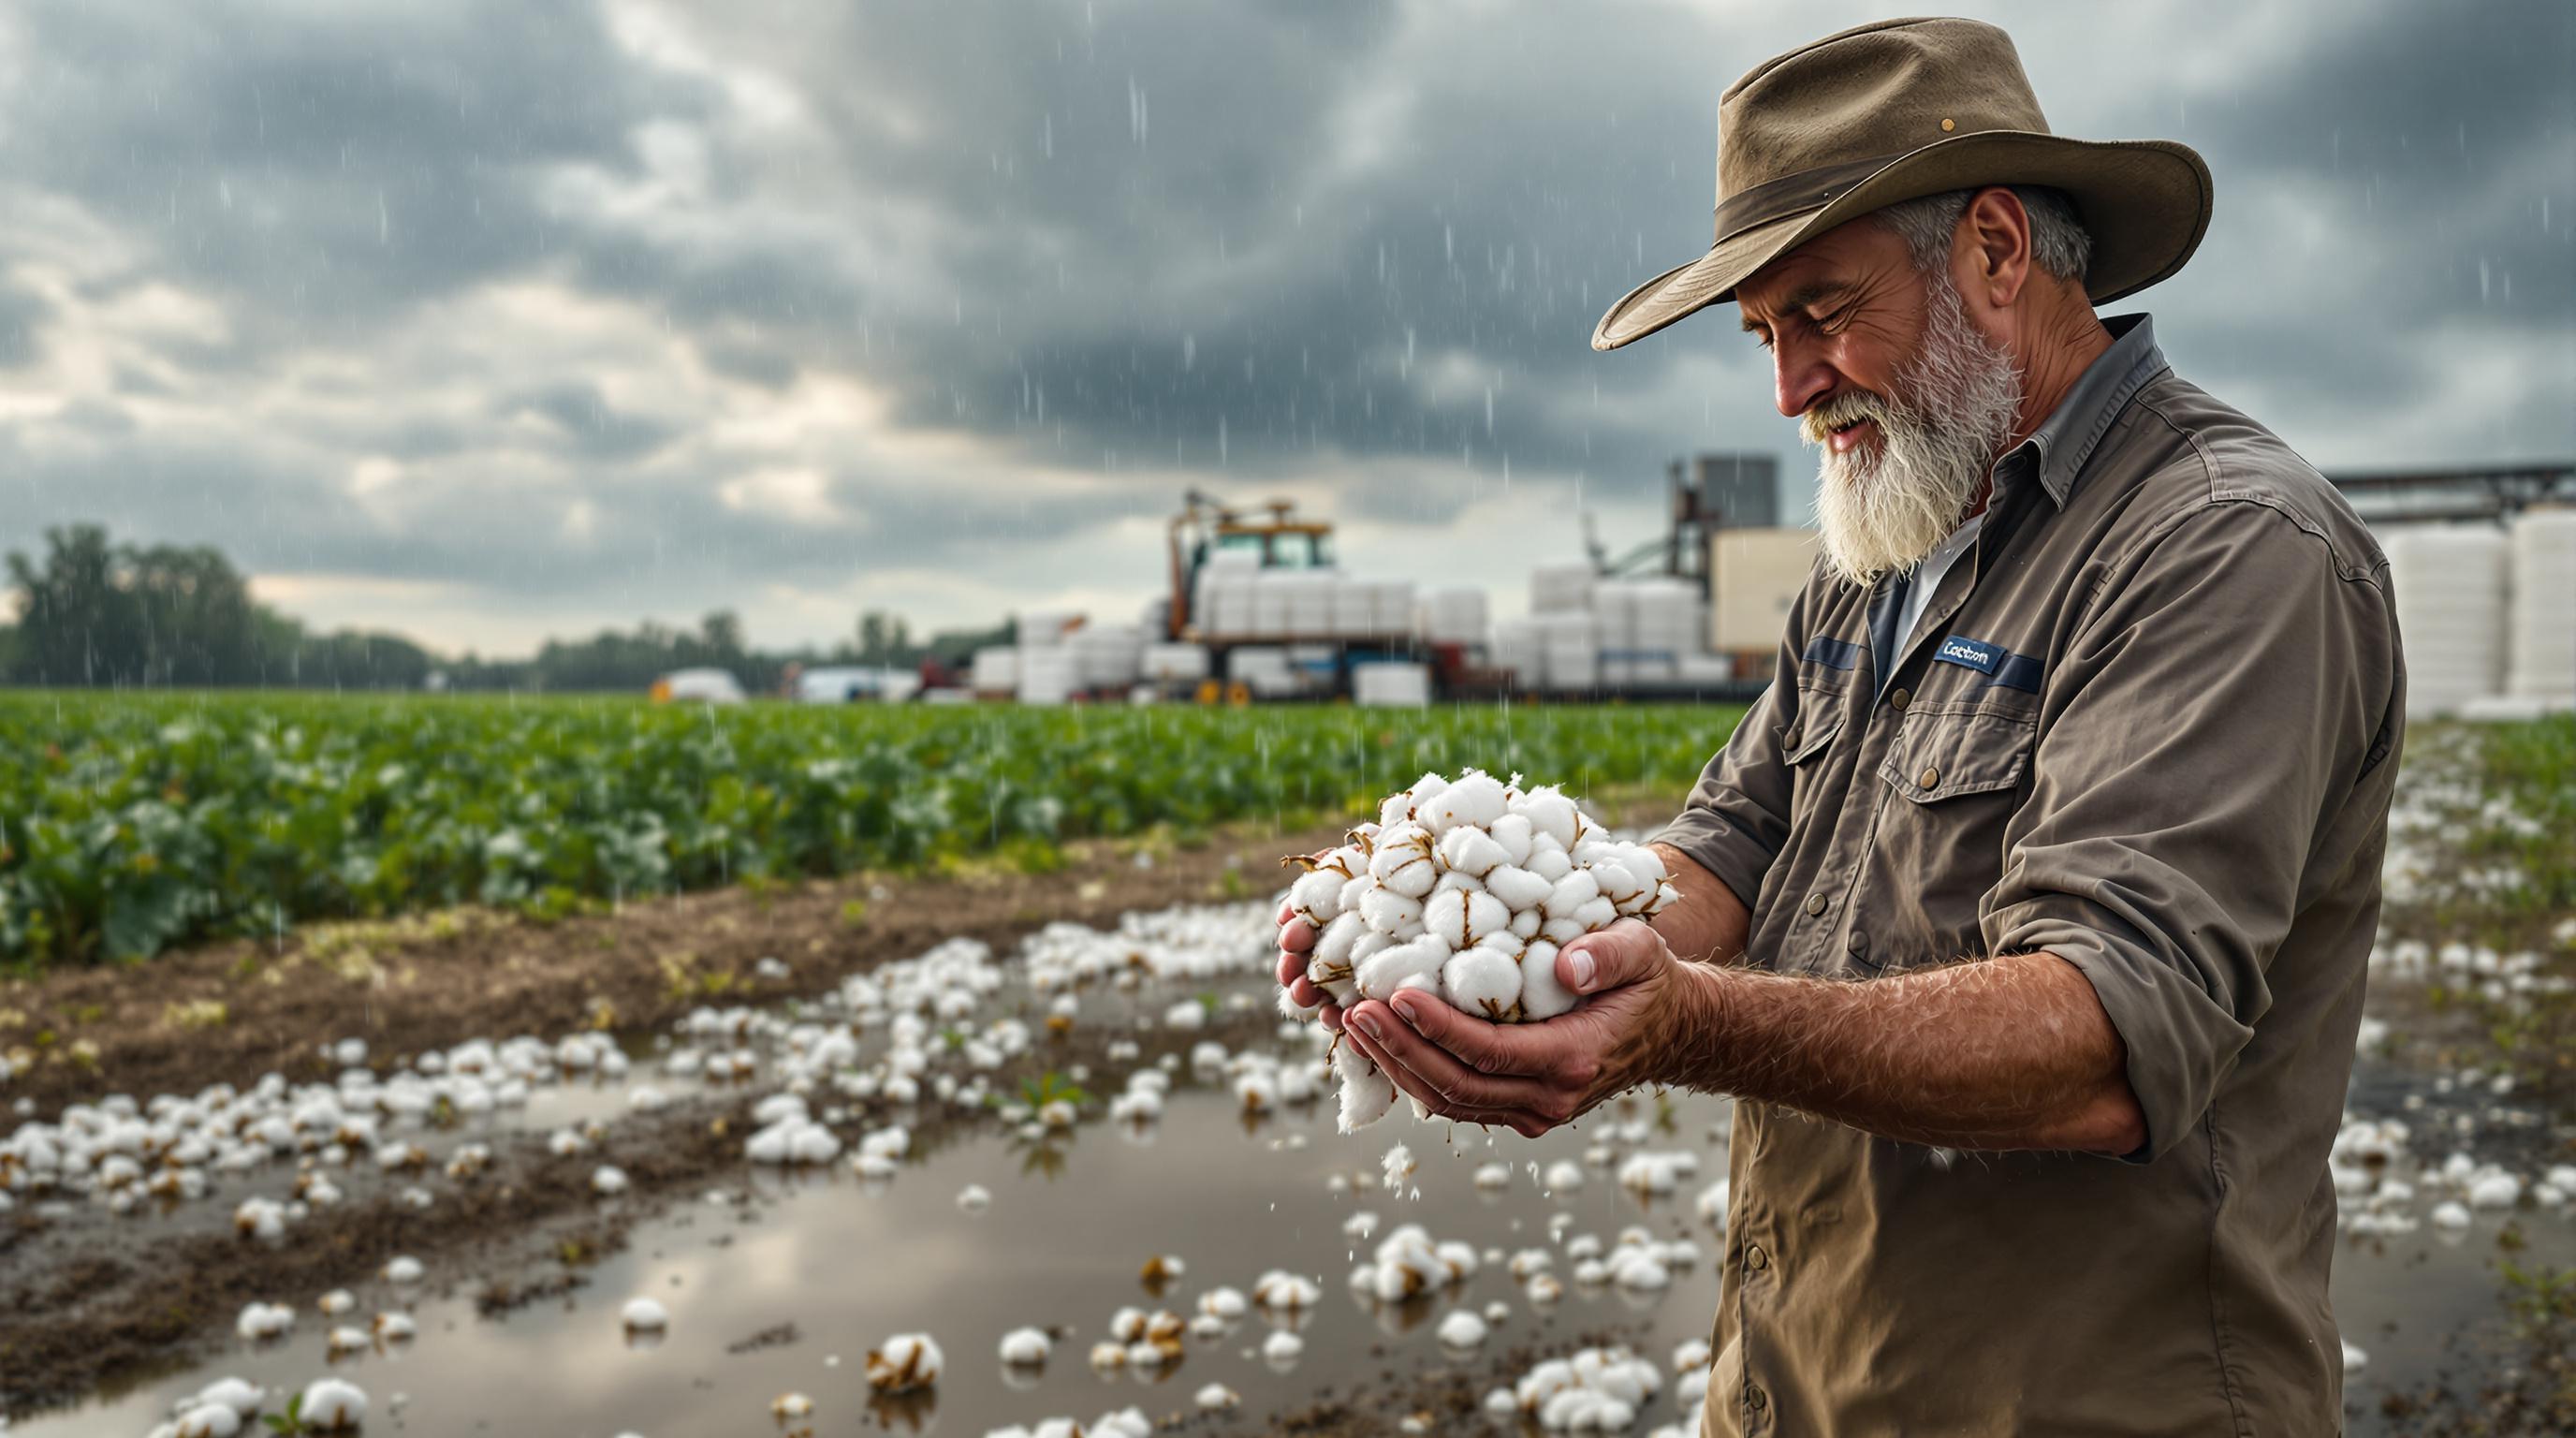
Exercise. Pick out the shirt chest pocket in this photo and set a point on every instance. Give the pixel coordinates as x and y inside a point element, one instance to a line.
<point>1805,751</point>
<point>1957,777</point>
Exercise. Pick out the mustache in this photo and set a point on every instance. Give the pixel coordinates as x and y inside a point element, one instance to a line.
<point>1849,407</point>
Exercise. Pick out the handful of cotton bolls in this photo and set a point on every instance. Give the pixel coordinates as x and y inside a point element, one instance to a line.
<point>1464,890</point>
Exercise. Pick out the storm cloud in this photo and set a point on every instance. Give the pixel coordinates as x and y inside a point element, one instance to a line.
<point>486,321</point>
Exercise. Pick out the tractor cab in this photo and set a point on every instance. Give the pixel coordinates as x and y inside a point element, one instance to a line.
<point>1269,536</point>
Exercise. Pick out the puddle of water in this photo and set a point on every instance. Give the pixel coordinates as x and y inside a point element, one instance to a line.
<point>850,1264</point>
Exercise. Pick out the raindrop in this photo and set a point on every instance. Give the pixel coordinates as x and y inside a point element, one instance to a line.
<point>1189,351</point>
<point>1046,137</point>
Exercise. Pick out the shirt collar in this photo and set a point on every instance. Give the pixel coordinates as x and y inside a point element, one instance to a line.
<point>2058,448</point>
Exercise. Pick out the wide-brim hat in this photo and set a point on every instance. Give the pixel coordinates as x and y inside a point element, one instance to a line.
<point>1882,113</point>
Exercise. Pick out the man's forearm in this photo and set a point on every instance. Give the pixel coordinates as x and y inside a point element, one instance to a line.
<point>1708,924</point>
<point>2008,1053</point>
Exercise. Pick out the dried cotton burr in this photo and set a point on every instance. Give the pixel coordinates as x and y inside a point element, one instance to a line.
<point>1464,891</point>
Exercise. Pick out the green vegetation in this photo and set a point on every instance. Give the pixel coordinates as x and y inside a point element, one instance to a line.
<point>132,822</point>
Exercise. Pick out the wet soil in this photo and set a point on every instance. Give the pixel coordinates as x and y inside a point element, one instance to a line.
<point>230,1012</point>
<point>78,1317</point>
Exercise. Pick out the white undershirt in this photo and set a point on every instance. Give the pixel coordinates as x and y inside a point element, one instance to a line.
<point>1927,576</point>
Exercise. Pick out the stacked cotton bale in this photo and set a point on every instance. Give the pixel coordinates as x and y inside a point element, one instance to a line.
<point>1455,616</point>
<point>1391,685</point>
<point>1391,606</point>
<point>1569,650</point>
<point>996,671</point>
<point>2450,583</point>
<point>1354,607</point>
<point>1038,628</point>
<point>1107,656</point>
<point>2541,663</point>
<point>1049,673</point>
<point>1222,601</point>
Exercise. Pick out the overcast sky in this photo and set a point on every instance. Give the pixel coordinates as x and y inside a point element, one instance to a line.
<point>489,319</point>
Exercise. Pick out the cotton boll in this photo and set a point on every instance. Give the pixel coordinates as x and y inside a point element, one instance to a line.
<point>208,1420</point>
<point>1416,965</point>
<point>1025,1346</point>
<point>1224,1303</point>
<point>1597,914</point>
<point>1542,996</point>
<point>1453,880</point>
<point>1108,1356</point>
<point>1548,859</point>
<point>1518,889</point>
<point>1395,915</point>
<point>238,1394</point>
<point>1526,924</point>
<point>1366,1096</point>
<point>1282,1346</point>
<point>1462,920</point>
<point>1483,981</point>
<point>1514,834</point>
<point>1642,861</point>
<point>333,1405</point>
<point>1402,861</point>
<point>1330,958</point>
<point>1461,1329</point>
<point>646,1315</point>
<point>908,1362</point>
<point>1472,851</point>
<point>1617,885</point>
<point>1316,897</point>
<point>1476,799</point>
<point>1570,894</point>
<point>1550,813</point>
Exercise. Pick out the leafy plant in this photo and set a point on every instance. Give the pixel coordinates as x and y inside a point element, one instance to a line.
<point>133,822</point>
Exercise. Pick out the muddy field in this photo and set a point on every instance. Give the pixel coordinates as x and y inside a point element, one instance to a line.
<point>1008,1175</point>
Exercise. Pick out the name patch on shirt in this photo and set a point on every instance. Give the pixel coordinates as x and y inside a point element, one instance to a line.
<point>1974,653</point>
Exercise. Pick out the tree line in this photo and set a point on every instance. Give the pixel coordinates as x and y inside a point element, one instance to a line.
<point>97,614</point>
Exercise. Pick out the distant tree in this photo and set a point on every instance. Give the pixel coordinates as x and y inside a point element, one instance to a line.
<point>101,614</point>
<point>721,632</point>
<point>885,639</point>
<point>74,626</point>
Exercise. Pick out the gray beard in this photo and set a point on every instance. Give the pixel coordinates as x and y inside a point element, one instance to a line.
<point>1939,437</point>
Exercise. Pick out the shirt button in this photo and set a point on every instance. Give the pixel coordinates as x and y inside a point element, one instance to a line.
<point>1900,698</point>
<point>1755,1258</point>
<point>1931,777</point>
<point>1815,904</point>
<point>1860,943</point>
<point>1754,1400</point>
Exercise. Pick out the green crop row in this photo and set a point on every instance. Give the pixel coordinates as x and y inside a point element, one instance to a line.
<point>132,823</point>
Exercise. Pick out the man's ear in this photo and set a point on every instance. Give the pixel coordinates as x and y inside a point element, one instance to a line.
<point>1993,253</point>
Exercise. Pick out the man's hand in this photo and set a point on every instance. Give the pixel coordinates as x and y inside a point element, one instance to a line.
<point>1641,1004</point>
<point>1296,940</point>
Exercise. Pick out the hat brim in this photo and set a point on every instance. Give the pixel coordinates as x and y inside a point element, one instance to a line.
<point>2146,204</point>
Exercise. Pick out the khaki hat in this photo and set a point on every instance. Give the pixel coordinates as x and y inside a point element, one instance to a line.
<point>1881,113</point>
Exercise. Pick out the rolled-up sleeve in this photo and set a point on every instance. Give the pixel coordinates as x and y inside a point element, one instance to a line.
<point>2219,695</point>
<point>1737,815</point>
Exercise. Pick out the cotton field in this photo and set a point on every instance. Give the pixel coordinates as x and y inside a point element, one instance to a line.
<point>1093,1180</point>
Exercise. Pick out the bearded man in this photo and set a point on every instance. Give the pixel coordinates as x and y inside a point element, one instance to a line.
<point>2027,914</point>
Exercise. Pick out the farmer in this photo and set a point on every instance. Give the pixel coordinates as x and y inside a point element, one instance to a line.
<point>2026,914</point>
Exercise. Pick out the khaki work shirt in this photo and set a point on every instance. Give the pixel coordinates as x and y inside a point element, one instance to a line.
<point>2148,725</point>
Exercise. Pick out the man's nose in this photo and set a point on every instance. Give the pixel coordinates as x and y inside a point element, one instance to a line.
<point>1799,379</point>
